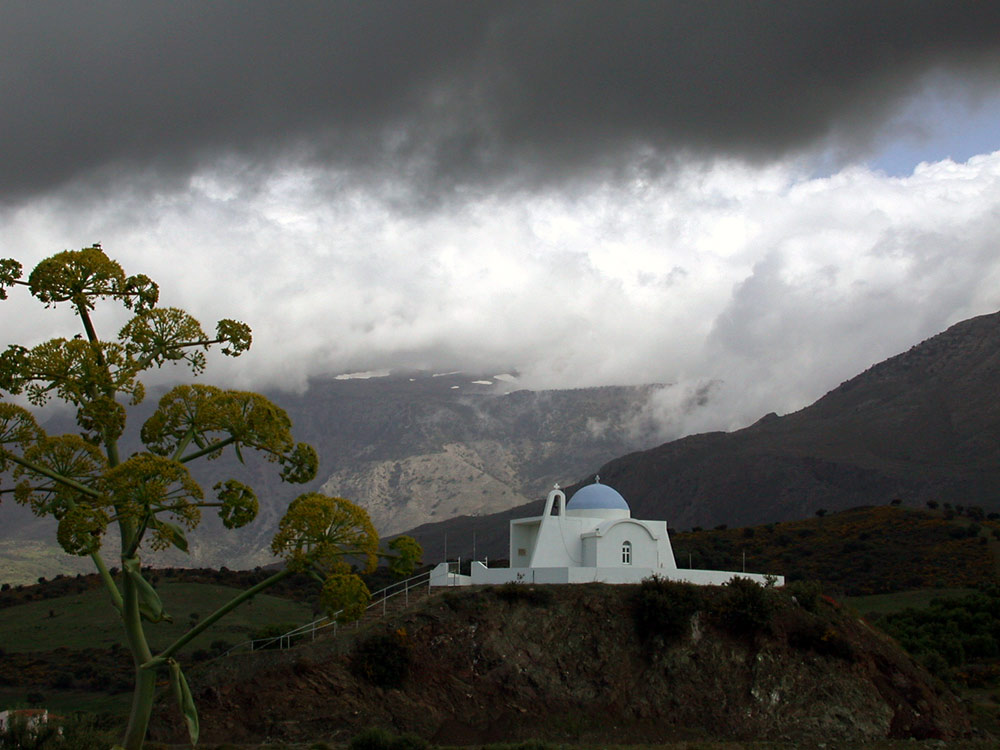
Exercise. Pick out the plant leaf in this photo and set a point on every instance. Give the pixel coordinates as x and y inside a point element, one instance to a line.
<point>184,699</point>
<point>150,605</point>
<point>173,533</point>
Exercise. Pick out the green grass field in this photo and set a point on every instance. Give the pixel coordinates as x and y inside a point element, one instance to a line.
<point>884,604</point>
<point>88,619</point>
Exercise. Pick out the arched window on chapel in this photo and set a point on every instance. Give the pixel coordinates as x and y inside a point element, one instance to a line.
<point>626,553</point>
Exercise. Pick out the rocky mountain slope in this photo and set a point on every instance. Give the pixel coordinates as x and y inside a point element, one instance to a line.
<point>410,448</point>
<point>924,425</point>
<point>586,664</point>
<point>420,449</point>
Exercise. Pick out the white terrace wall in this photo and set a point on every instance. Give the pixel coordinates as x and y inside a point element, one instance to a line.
<point>480,575</point>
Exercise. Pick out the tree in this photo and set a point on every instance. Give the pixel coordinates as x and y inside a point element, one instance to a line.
<point>150,498</point>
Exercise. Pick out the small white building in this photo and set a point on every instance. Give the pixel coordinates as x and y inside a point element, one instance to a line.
<point>593,537</point>
<point>31,718</point>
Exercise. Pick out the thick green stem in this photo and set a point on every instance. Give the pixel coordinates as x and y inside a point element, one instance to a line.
<point>217,615</point>
<point>109,581</point>
<point>110,445</point>
<point>146,361</point>
<point>54,475</point>
<point>208,449</point>
<point>88,326</point>
<point>136,534</point>
<point>142,708</point>
<point>145,679</point>
<point>182,446</point>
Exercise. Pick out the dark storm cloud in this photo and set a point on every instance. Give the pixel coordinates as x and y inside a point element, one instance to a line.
<point>459,91</point>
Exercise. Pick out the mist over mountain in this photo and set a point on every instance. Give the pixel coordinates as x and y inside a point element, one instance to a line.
<point>454,457</point>
<point>408,447</point>
<point>923,425</point>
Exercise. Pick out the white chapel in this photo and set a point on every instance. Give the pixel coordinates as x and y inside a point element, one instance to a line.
<point>593,537</point>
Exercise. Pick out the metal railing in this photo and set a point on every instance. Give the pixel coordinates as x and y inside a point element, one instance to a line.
<point>378,599</point>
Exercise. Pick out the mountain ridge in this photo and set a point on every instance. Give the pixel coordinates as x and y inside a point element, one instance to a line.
<point>922,425</point>
<point>406,447</point>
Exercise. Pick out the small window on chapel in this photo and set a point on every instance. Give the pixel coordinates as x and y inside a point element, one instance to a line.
<point>627,553</point>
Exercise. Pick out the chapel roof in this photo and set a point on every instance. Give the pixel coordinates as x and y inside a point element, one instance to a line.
<point>597,496</point>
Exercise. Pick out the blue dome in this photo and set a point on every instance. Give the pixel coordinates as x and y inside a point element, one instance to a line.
<point>597,497</point>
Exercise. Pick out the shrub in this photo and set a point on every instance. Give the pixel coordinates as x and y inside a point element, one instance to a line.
<point>303,666</point>
<point>61,681</point>
<point>526,745</point>
<point>663,609</point>
<point>981,646</point>
<point>371,739</point>
<point>821,638</point>
<point>383,659</point>
<point>408,741</point>
<point>806,593</point>
<point>745,607</point>
<point>538,596</point>
<point>273,631</point>
<point>934,663</point>
<point>380,739</point>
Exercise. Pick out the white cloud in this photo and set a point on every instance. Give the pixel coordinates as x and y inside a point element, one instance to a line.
<point>768,284</point>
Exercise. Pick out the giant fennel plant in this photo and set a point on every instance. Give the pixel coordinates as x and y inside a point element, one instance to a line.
<point>150,498</point>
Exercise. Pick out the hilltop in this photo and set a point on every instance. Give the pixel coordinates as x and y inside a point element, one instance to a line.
<point>586,664</point>
<point>61,640</point>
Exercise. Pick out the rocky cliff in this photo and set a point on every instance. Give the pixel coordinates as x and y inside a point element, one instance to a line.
<point>587,663</point>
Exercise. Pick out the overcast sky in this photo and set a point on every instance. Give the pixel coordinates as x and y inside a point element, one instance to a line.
<point>754,201</point>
